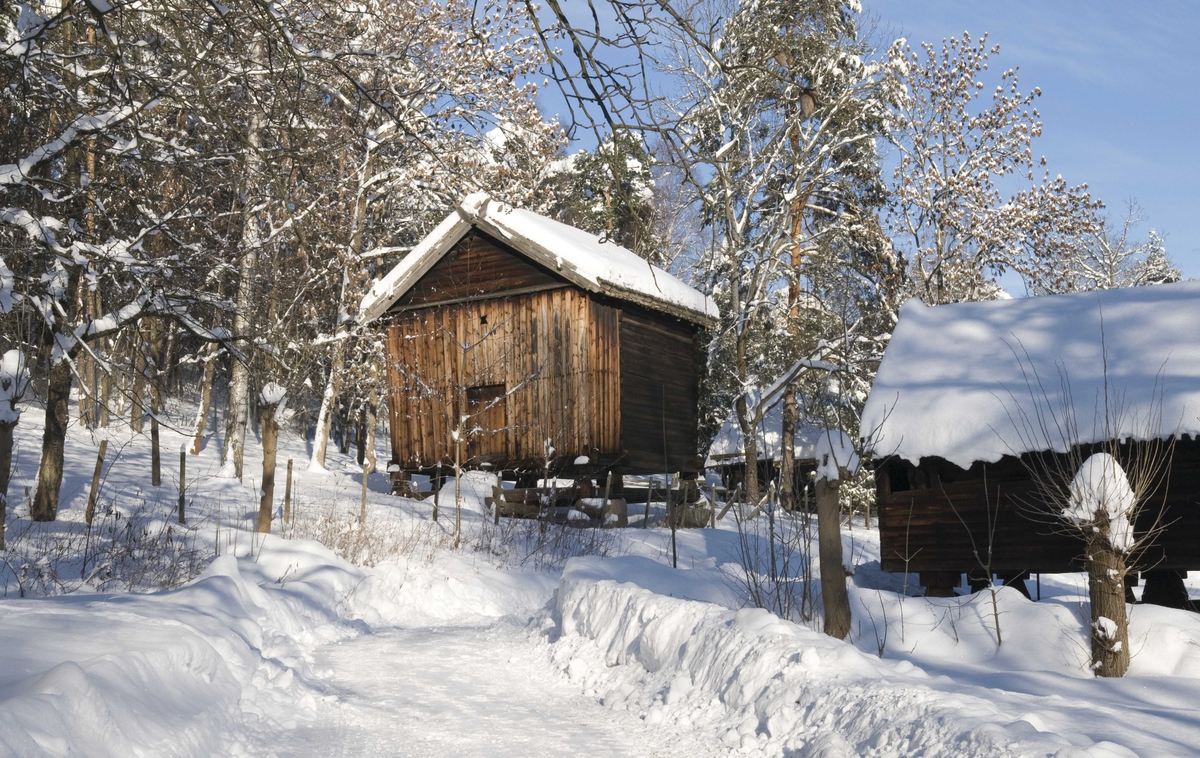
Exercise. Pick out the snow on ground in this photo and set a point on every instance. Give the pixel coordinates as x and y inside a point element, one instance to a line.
<point>511,646</point>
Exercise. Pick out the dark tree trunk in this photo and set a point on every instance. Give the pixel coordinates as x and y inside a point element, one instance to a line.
<point>270,442</point>
<point>1110,624</point>
<point>360,437</point>
<point>833,574</point>
<point>750,447</point>
<point>137,410</point>
<point>54,439</point>
<point>6,446</point>
<point>787,450</point>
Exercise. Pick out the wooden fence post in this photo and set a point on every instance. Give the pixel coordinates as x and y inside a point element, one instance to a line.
<point>182,480</point>
<point>437,490</point>
<point>91,506</point>
<point>649,494</point>
<point>287,495</point>
<point>362,510</point>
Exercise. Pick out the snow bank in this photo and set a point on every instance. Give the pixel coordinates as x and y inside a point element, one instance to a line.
<point>955,380</point>
<point>454,589</point>
<point>193,672</point>
<point>578,256</point>
<point>770,687</point>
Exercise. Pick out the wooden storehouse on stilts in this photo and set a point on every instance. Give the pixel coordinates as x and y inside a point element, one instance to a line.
<point>972,400</point>
<point>566,355</point>
<point>727,452</point>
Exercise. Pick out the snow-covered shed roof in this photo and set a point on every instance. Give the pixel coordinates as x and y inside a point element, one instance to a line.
<point>579,257</point>
<point>969,381</point>
<point>728,445</point>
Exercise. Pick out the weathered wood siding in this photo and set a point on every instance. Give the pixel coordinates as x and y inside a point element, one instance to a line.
<point>939,515</point>
<point>478,266</point>
<point>660,369</point>
<point>554,353</point>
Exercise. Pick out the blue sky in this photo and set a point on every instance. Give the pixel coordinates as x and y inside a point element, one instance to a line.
<point>1120,94</point>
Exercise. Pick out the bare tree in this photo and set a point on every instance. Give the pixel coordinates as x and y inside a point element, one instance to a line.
<point>950,219</point>
<point>1109,255</point>
<point>1095,491</point>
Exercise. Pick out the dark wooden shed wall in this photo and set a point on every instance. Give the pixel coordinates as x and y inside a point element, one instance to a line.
<point>660,393</point>
<point>939,515</point>
<point>478,266</point>
<point>554,354</point>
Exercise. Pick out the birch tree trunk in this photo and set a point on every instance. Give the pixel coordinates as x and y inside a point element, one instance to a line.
<point>333,388</point>
<point>251,241</point>
<point>206,387</point>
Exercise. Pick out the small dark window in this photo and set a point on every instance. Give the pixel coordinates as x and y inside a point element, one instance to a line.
<point>898,477</point>
<point>483,319</point>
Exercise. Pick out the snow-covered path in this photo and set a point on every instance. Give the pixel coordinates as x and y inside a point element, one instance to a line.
<point>462,691</point>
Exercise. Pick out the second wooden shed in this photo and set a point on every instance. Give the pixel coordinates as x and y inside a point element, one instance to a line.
<point>972,397</point>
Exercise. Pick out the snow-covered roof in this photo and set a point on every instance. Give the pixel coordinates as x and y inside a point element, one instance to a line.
<point>579,257</point>
<point>728,444</point>
<point>955,380</point>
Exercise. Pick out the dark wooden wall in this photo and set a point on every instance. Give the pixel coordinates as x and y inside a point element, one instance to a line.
<point>660,371</point>
<point>543,366</point>
<point>932,512</point>
<point>478,266</point>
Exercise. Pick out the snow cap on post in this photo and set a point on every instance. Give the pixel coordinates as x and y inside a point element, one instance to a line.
<point>835,453</point>
<point>14,380</point>
<point>273,394</point>
<point>1101,489</point>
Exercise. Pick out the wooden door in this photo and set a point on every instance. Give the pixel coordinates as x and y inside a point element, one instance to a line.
<point>488,424</point>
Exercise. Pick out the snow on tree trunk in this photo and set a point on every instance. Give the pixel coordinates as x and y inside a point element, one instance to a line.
<point>206,387</point>
<point>1102,507</point>
<point>750,447</point>
<point>835,455</point>
<point>333,388</point>
<point>272,404</point>
<point>14,380</point>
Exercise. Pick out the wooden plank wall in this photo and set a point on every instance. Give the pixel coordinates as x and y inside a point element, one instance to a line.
<point>660,368</point>
<point>555,351</point>
<point>477,266</point>
<point>932,512</point>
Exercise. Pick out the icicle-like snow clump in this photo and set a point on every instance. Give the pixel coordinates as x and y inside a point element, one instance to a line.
<point>1099,487</point>
<point>14,379</point>
<point>834,452</point>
